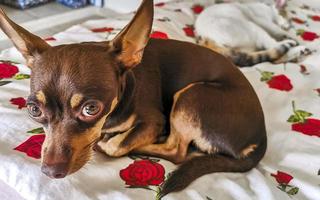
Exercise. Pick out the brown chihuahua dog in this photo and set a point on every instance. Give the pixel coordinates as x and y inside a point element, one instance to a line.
<point>123,95</point>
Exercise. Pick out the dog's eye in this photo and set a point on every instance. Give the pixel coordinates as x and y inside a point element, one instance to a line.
<point>34,110</point>
<point>91,109</point>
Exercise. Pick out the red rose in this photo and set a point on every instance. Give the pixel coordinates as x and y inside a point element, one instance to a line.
<point>143,173</point>
<point>20,102</point>
<point>197,9</point>
<point>7,70</point>
<point>282,177</point>
<point>159,4</point>
<point>298,20</point>
<point>32,146</point>
<point>159,35</point>
<point>103,29</point>
<point>309,36</point>
<point>309,127</point>
<point>189,31</point>
<point>301,123</point>
<point>280,82</point>
<point>315,17</point>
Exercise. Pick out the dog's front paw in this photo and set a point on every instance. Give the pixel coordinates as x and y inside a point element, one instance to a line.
<point>112,147</point>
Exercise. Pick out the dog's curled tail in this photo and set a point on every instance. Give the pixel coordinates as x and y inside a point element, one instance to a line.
<point>199,166</point>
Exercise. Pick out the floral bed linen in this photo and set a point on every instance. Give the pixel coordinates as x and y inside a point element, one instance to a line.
<point>290,97</point>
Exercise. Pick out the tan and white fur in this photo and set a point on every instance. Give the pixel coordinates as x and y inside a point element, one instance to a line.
<point>248,32</point>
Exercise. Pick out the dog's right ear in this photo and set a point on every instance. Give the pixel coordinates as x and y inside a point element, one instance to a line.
<point>28,44</point>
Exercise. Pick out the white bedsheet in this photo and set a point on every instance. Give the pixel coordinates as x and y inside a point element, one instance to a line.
<point>289,151</point>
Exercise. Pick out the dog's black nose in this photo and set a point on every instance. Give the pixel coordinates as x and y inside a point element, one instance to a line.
<point>59,170</point>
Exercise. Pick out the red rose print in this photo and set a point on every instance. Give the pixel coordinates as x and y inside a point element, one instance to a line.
<point>317,90</point>
<point>315,17</point>
<point>279,82</point>
<point>102,29</point>
<point>159,35</point>
<point>197,9</point>
<point>20,102</point>
<point>301,123</point>
<point>298,20</point>
<point>283,180</point>
<point>32,146</point>
<point>143,173</point>
<point>282,177</point>
<point>307,35</point>
<point>309,127</point>
<point>50,39</point>
<point>189,31</point>
<point>159,4</point>
<point>7,70</point>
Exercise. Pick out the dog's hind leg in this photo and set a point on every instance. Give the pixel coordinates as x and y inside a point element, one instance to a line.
<point>184,127</point>
<point>174,149</point>
<point>225,121</point>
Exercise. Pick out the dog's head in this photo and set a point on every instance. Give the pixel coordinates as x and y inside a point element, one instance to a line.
<point>75,87</point>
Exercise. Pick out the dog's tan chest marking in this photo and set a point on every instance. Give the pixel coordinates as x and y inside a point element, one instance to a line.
<point>76,100</point>
<point>41,97</point>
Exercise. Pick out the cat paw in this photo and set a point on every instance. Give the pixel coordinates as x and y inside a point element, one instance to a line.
<point>296,54</point>
<point>289,43</point>
<point>280,37</point>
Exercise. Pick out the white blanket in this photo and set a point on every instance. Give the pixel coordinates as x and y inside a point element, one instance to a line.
<point>296,155</point>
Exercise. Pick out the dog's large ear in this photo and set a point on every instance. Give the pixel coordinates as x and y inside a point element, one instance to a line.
<point>28,44</point>
<point>131,41</point>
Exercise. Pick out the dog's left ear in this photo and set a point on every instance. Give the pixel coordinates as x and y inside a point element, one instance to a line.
<point>28,44</point>
<point>131,41</point>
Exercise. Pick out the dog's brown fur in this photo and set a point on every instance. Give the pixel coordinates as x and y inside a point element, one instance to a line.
<point>143,89</point>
